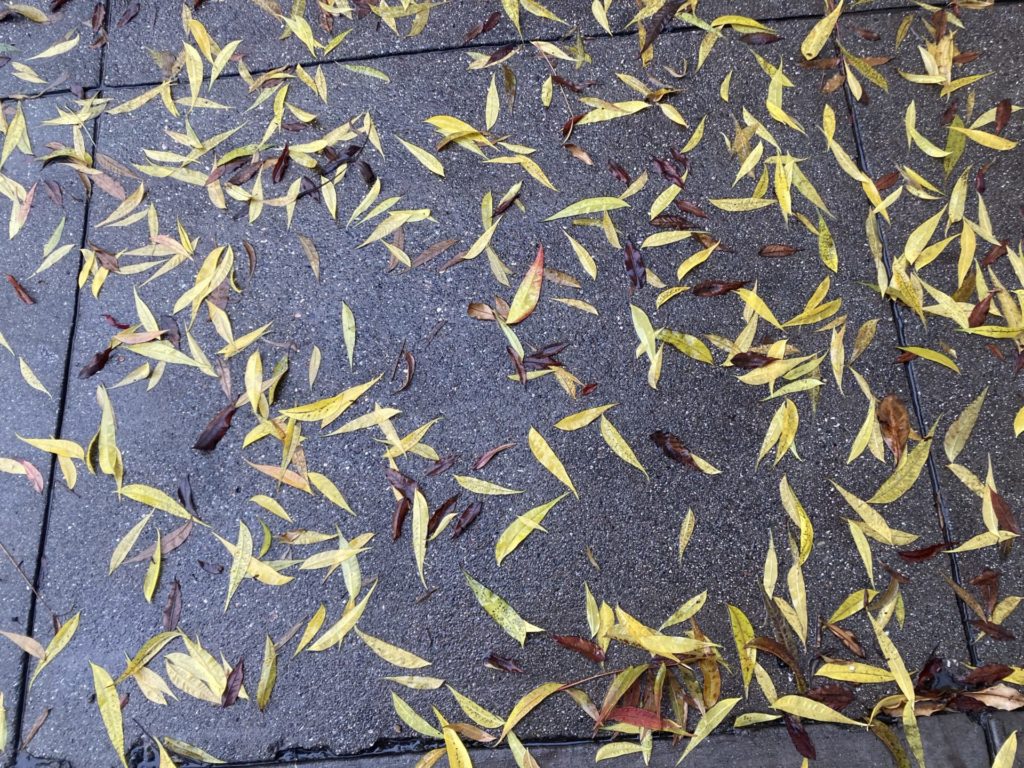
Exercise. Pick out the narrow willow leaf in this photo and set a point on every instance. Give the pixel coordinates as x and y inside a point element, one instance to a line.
<point>588,206</point>
<point>502,613</point>
<point>549,460</point>
<point>428,161</point>
<point>686,532</point>
<point>124,546</point>
<point>711,720</point>
<point>820,33</point>
<point>240,563</point>
<point>348,330</point>
<point>413,719</point>
<point>268,674</point>
<point>527,704</point>
<point>392,654</point>
<point>109,704</point>
<point>483,487</point>
<point>522,527</point>
<point>618,444</point>
<point>904,476</point>
<point>743,633</point>
<point>582,418</point>
<point>801,706</point>
<point>528,294</point>
<point>959,431</point>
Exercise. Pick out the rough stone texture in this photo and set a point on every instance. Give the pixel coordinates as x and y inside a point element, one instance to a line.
<point>21,39</point>
<point>37,333</point>
<point>945,393</point>
<point>337,701</point>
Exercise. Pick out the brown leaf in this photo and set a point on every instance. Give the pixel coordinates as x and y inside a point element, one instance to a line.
<point>924,553</point>
<point>673,447</point>
<point>234,686</point>
<point>717,287</point>
<point>979,314</point>
<point>99,14</point>
<point>800,737</point>
<point>895,421</point>
<point>987,582</point>
<point>442,465</point>
<point>847,638</point>
<point>485,458</point>
<point>172,610</point>
<point>129,13</point>
<point>215,429</point>
<point>582,646</point>
<point>467,518</point>
<point>168,543</point>
<point>398,518</point>
<point>987,674</point>
<point>503,664</point>
<point>836,696</point>
<point>636,269</point>
<point>281,165</point>
<point>404,485</point>
<point>95,364</point>
<point>995,252</point>
<point>1003,111</point>
<point>995,631</point>
<point>20,290</point>
<point>776,250</point>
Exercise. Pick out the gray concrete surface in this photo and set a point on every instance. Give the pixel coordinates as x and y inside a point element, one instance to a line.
<point>337,701</point>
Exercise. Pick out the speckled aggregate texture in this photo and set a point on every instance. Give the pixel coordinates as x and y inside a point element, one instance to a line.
<point>620,537</point>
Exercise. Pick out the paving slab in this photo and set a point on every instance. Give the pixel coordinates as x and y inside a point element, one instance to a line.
<point>985,364</point>
<point>136,51</point>
<point>335,701</point>
<point>24,37</point>
<point>37,334</point>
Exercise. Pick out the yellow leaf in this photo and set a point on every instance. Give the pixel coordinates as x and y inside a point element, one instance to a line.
<point>528,294</point>
<point>392,654</point>
<point>905,474</point>
<point>109,704</point>
<point>240,562</point>
<point>588,206</point>
<point>742,204</point>
<point>854,672</point>
<point>743,633</point>
<point>428,161</point>
<point>813,710</point>
<point>549,460</point>
<point>153,571</point>
<point>960,430</point>
<point>268,674</point>
<point>348,330</point>
<point>935,357</point>
<point>1004,758</point>
<point>686,532</point>
<point>984,138</point>
<point>582,418</point>
<point>31,379</point>
<point>483,487</point>
<point>154,497</point>
<point>420,518</point>
<point>502,613</point>
<point>337,632</point>
<point>522,527</point>
<point>124,546</point>
<point>458,755</point>
<point>527,704</point>
<point>411,718</point>
<point>475,712</point>
<point>618,444</point>
<point>711,720</point>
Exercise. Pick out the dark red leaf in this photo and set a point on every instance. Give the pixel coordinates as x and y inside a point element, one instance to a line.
<point>99,14</point>
<point>995,631</point>
<point>172,610</point>
<point>986,675</point>
<point>216,429</point>
<point>994,254</point>
<point>95,364</point>
<point>888,180</point>
<point>776,250</point>
<point>979,314</point>
<point>485,458</point>
<point>398,519</point>
<point>1003,111</point>
<point>800,737</point>
<point>924,553</point>
<point>836,696</point>
<point>760,38</point>
<point>636,269</point>
<point>439,513</point>
<point>20,290</point>
<point>619,172</point>
<point>281,166</point>
<point>235,679</point>
<point>748,361</point>
<point>503,664</point>
<point>129,13</point>
<point>484,26</point>
<point>215,568</point>
<point>582,646</point>
<point>641,718</point>
<point>404,485</point>
<point>717,287</point>
<point>673,448</point>
<point>467,518</point>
